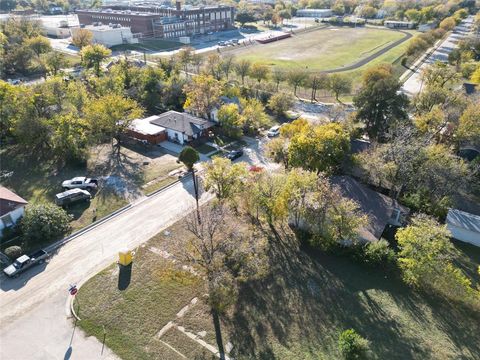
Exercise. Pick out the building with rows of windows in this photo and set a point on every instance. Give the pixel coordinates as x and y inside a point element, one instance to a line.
<point>148,21</point>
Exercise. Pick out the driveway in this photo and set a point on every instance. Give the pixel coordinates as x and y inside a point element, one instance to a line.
<point>413,85</point>
<point>33,319</point>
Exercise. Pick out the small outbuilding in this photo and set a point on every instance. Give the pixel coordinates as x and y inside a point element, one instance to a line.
<point>12,208</point>
<point>142,129</point>
<point>464,226</point>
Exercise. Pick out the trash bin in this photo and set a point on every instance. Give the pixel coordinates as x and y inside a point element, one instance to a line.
<point>125,257</point>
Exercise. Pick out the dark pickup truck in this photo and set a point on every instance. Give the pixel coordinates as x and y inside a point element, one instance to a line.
<point>24,262</point>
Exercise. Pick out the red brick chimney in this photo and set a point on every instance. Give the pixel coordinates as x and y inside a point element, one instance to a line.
<point>178,5</point>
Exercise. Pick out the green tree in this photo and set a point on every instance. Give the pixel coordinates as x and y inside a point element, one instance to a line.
<point>352,346</point>
<point>469,124</point>
<point>189,156</point>
<point>242,68</point>
<point>339,85</point>
<point>54,62</point>
<point>225,178</point>
<point>297,78</point>
<point>380,102</point>
<point>253,115</point>
<point>475,78</point>
<point>279,103</point>
<point>203,94</point>
<point>10,108</point>
<point>109,116</point>
<point>259,72</point>
<point>244,17</point>
<point>448,24</point>
<point>319,148</point>
<point>227,64</point>
<point>93,55</point>
<point>39,45</point>
<point>413,15</point>
<point>185,56</point>
<point>82,38</point>
<point>427,256</point>
<point>230,120</point>
<point>44,222</point>
<point>278,76</point>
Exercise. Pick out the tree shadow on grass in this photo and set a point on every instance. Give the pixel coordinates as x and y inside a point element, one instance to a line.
<point>309,297</point>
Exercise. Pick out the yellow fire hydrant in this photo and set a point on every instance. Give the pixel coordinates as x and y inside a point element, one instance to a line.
<point>125,257</point>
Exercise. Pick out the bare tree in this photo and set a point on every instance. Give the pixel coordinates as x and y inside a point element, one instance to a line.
<point>225,254</point>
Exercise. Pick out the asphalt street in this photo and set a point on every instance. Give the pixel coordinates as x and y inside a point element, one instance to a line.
<point>414,83</point>
<point>33,316</point>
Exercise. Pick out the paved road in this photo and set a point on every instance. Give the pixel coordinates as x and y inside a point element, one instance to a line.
<point>414,83</point>
<point>33,323</point>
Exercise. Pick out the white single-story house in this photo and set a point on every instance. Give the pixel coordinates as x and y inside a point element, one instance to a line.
<point>173,126</point>
<point>464,226</point>
<point>315,13</point>
<point>391,24</point>
<point>12,208</point>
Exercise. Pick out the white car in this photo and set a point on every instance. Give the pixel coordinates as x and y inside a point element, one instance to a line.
<point>274,131</point>
<point>80,182</point>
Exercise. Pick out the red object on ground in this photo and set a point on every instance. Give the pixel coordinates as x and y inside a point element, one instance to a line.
<point>73,291</point>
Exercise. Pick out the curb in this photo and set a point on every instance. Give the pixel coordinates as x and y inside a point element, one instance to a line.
<point>87,228</point>
<point>93,225</point>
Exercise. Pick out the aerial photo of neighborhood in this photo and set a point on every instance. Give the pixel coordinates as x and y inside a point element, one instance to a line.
<point>240,179</point>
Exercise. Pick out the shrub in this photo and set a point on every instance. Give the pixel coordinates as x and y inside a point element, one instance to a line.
<point>13,252</point>
<point>352,345</point>
<point>44,223</point>
<point>378,253</point>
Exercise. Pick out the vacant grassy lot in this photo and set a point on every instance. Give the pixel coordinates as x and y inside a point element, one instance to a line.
<point>321,50</point>
<point>297,312</point>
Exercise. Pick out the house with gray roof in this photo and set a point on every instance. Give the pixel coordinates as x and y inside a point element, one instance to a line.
<point>381,210</point>
<point>177,127</point>
<point>464,226</point>
<point>182,128</point>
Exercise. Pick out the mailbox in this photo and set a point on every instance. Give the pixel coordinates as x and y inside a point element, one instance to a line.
<point>125,257</point>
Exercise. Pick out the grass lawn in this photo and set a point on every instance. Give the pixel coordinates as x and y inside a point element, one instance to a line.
<point>204,148</point>
<point>296,312</point>
<point>38,178</point>
<point>324,49</point>
<point>132,317</point>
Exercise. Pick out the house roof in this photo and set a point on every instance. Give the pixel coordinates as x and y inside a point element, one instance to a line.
<point>9,201</point>
<point>378,207</point>
<point>359,145</point>
<point>145,127</point>
<point>463,220</point>
<point>181,122</point>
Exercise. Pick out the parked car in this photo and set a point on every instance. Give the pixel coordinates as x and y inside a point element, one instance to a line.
<point>80,182</point>
<point>14,81</point>
<point>221,43</point>
<point>234,154</point>
<point>274,131</point>
<point>24,262</point>
<point>235,41</point>
<point>71,196</point>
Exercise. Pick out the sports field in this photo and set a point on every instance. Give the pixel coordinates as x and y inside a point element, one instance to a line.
<point>325,49</point>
